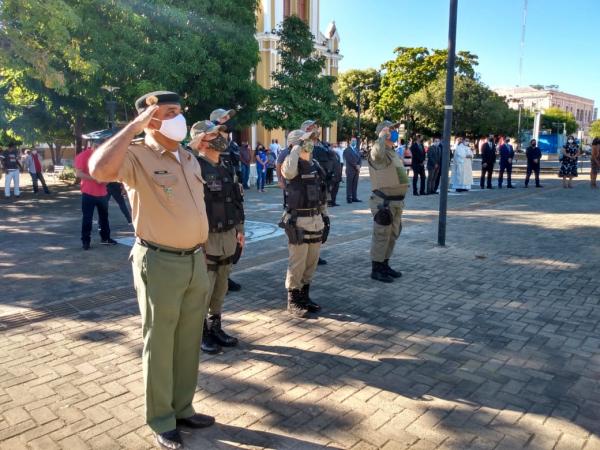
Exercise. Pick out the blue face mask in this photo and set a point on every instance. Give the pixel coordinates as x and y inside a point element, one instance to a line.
<point>394,135</point>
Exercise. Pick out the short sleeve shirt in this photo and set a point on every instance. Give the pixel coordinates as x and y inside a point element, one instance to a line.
<point>89,187</point>
<point>166,195</point>
<point>282,155</point>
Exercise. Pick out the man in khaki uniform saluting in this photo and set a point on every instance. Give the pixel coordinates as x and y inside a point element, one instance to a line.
<point>225,210</point>
<point>165,188</point>
<point>389,183</point>
<point>305,220</point>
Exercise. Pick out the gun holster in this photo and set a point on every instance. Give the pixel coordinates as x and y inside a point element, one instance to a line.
<point>295,235</point>
<point>326,228</point>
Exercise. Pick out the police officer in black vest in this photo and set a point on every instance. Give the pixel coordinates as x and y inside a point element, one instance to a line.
<point>305,220</point>
<point>225,117</point>
<point>224,207</point>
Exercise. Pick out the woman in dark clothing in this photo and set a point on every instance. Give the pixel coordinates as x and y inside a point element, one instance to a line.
<point>568,167</point>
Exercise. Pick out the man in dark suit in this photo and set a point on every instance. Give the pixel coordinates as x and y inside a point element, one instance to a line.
<point>434,162</point>
<point>534,156</point>
<point>506,162</point>
<point>337,176</point>
<point>353,162</point>
<point>418,164</point>
<point>488,159</point>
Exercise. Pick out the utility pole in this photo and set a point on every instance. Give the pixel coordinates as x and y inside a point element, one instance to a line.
<point>448,105</point>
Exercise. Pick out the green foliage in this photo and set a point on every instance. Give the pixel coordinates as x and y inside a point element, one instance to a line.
<point>554,116</point>
<point>68,174</point>
<point>299,91</point>
<point>348,85</point>
<point>412,70</point>
<point>56,55</point>
<point>595,129</point>
<point>478,110</point>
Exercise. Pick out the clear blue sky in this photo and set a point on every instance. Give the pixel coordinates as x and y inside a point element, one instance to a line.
<point>562,40</point>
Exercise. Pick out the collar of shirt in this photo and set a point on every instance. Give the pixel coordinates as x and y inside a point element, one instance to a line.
<point>151,142</point>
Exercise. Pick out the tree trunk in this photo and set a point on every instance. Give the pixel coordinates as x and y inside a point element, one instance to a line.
<point>52,154</point>
<point>78,133</point>
<point>56,151</point>
<point>59,153</point>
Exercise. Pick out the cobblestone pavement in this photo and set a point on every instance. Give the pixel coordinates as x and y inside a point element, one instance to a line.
<point>491,342</point>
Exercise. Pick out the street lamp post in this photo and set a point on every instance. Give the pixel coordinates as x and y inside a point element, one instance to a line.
<point>111,105</point>
<point>519,139</point>
<point>447,123</point>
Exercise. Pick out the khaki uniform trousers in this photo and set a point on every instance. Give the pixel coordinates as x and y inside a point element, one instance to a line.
<point>384,237</point>
<point>218,276</point>
<point>172,294</point>
<point>304,258</point>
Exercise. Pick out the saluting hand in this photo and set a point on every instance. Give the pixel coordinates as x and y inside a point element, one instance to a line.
<point>141,122</point>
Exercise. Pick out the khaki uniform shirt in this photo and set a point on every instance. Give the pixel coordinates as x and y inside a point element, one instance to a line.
<point>380,159</point>
<point>166,196</point>
<point>289,170</point>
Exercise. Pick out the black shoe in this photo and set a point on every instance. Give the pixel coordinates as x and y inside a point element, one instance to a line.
<point>525,186</point>
<point>388,270</point>
<point>330,204</point>
<point>197,421</point>
<point>233,286</point>
<point>378,274</point>
<point>422,193</point>
<point>539,186</point>
<point>349,200</point>
<point>335,204</point>
<point>416,194</point>
<point>510,187</point>
<point>170,440</point>
<point>490,187</point>
<point>321,262</point>
<point>310,305</point>
<point>86,246</point>
<point>295,305</point>
<point>209,344</point>
<point>109,241</point>
<point>218,334</point>
<point>355,200</point>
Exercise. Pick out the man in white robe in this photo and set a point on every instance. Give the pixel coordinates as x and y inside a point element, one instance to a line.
<point>462,167</point>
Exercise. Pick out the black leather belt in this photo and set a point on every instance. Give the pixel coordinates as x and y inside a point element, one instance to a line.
<point>156,248</point>
<point>307,212</point>
<point>390,198</point>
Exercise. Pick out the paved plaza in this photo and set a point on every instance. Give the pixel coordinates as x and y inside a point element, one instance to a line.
<point>492,342</point>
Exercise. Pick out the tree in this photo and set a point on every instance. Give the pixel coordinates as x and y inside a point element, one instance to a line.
<point>477,110</point>
<point>299,91</point>
<point>413,69</point>
<point>554,118</point>
<point>203,50</point>
<point>595,129</point>
<point>349,83</point>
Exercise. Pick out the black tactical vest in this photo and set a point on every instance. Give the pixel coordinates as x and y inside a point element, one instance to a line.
<point>307,190</point>
<point>222,195</point>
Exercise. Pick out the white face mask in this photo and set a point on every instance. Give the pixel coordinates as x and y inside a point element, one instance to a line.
<point>175,128</point>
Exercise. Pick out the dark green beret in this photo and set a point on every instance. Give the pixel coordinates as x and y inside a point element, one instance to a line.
<point>156,98</point>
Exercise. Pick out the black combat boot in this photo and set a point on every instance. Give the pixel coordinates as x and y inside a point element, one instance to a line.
<point>391,272</point>
<point>209,343</point>
<point>378,273</point>
<point>222,338</point>
<point>310,305</point>
<point>295,305</point>
<point>232,286</point>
